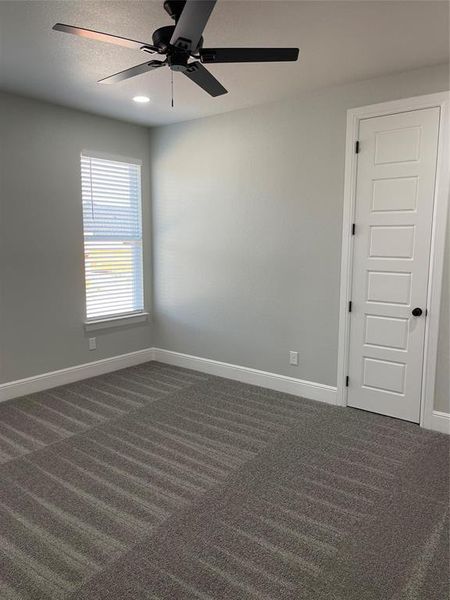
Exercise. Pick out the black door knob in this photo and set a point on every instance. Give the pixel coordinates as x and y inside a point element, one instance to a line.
<point>416,312</point>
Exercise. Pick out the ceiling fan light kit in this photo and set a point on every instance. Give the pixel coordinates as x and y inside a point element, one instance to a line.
<point>182,42</point>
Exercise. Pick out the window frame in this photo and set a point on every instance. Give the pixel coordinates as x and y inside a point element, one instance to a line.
<point>118,319</point>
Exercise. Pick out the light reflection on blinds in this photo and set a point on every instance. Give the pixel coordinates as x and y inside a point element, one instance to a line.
<point>112,221</point>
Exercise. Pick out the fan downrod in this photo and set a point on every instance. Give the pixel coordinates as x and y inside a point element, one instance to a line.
<point>174,8</point>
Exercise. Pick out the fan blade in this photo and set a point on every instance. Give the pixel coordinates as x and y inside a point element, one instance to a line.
<point>202,77</point>
<point>190,25</point>
<point>231,55</point>
<point>103,37</point>
<point>133,71</point>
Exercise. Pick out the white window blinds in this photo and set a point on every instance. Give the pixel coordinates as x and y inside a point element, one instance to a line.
<point>112,221</point>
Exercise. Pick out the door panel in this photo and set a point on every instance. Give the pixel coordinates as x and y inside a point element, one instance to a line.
<point>394,209</point>
<point>394,194</point>
<point>391,241</point>
<point>388,287</point>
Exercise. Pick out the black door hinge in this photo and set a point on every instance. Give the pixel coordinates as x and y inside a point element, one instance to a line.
<point>357,147</point>
<point>353,228</point>
<point>347,379</point>
<point>350,306</point>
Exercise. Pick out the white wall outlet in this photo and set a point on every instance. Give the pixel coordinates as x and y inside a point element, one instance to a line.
<point>293,358</point>
<point>92,343</point>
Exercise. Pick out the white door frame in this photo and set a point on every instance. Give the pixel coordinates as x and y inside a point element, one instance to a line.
<point>429,418</point>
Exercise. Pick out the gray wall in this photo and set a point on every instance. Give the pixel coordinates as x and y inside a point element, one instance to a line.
<point>247,232</point>
<point>41,242</point>
<point>247,211</point>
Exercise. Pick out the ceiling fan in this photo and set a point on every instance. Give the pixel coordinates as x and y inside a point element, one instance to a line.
<point>181,42</point>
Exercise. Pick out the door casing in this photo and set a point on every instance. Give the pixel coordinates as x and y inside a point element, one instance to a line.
<point>428,417</point>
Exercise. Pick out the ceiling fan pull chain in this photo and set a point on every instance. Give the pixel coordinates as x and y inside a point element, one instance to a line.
<point>171,84</point>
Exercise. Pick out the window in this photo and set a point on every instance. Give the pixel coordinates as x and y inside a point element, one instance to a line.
<point>112,222</point>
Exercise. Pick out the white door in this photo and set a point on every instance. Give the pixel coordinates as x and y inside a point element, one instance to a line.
<point>395,181</point>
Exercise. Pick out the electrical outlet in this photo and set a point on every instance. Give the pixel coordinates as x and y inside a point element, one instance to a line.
<point>92,343</point>
<point>293,358</point>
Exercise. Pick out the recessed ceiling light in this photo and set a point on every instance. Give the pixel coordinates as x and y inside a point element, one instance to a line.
<point>141,99</point>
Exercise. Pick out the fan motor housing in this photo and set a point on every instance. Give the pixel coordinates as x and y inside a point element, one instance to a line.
<point>161,39</point>
<point>162,36</point>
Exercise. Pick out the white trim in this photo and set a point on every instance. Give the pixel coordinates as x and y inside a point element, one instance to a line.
<point>273,381</point>
<point>429,418</point>
<point>111,157</point>
<point>439,421</point>
<point>119,321</point>
<point>290,385</point>
<point>281,383</point>
<point>29,385</point>
<point>437,259</point>
<point>346,256</point>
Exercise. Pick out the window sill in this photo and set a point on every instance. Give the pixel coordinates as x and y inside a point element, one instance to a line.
<point>111,322</point>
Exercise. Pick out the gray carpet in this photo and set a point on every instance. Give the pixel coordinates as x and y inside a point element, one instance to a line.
<point>159,483</point>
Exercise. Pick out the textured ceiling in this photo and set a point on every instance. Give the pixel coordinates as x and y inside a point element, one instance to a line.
<point>339,42</point>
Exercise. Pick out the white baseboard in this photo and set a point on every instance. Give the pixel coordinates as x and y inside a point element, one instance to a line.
<point>440,421</point>
<point>38,383</point>
<point>273,381</point>
<point>281,383</point>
